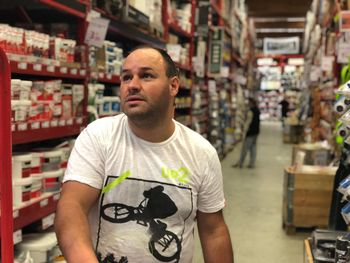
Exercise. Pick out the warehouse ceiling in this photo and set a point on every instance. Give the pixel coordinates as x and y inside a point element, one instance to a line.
<point>278,18</point>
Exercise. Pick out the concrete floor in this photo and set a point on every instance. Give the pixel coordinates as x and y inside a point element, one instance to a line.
<point>254,204</point>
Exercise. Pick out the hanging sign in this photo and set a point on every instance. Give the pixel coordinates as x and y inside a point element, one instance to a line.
<point>96,32</point>
<point>283,45</point>
<point>215,51</point>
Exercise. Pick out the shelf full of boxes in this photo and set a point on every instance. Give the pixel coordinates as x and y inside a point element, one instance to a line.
<point>59,83</point>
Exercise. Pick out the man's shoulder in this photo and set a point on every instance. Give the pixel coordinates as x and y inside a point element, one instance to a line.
<point>105,124</point>
<point>194,137</point>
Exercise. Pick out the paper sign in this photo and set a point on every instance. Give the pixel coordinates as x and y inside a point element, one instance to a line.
<point>96,32</point>
<point>327,63</point>
<point>344,21</point>
<point>315,73</point>
<point>212,86</point>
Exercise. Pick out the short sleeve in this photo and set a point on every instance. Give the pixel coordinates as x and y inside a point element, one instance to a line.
<point>211,194</point>
<point>86,162</point>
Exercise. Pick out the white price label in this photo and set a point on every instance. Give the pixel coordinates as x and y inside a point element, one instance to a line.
<point>63,70</point>
<point>56,197</point>
<point>54,123</point>
<point>62,123</point>
<point>74,71</point>
<point>15,213</point>
<point>13,127</point>
<point>96,31</point>
<point>101,75</point>
<point>17,236</point>
<point>23,65</point>
<point>82,72</point>
<point>35,125</point>
<point>44,202</point>
<point>51,68</point>
<point>109,76</point>
<point>70,122</point>
<point>48,221</point>
<point>37,67</point>
<point>45,124</point>
<point>79,120</point>
<point>23,127</point>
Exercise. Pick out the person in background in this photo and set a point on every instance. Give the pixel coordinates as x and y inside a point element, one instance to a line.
<point>137,183</point>
<point>251,136</point>
<point>284,109</point>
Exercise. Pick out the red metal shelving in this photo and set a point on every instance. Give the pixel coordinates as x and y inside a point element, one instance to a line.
<point>39,131</point>
<point>75,8</point>
<point>35,210</point>
<point>178,30</point>
<point>27,68</point>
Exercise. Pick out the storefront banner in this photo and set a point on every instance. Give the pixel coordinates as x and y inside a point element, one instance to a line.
<point>273,46</point>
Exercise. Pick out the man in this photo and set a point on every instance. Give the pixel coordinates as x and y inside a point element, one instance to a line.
<point>137,182</point>
<point>250,140</point>
<point>284,109</point>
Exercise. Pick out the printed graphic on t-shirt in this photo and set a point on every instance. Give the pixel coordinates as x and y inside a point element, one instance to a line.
<point>142,220</point>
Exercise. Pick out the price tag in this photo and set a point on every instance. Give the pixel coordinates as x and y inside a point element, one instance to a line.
<point>13,127</point>
<point>82,72</point>
<point>48,221</point>
<point>101,75</point>
<point>62,123</point>
<point>23,126</point>
<point>35,125</point>
<point>56,197</point>
<point>44,202</point>
<point>74,71</point>
<point>23,65</point>
<point>63,70</point>
<point>15,214</point>
<point>70,122</point>
<point>54,123</point>
<point>50,68</point>
<point>37,67</point>
<point>17,236</point>
<point>79,120</point>
<point>109,76</point>
<point>45,124</point>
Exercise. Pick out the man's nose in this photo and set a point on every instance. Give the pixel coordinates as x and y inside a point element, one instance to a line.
<point>135,83</point>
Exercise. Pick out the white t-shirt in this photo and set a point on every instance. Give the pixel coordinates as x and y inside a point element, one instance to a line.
<point>156,226</point>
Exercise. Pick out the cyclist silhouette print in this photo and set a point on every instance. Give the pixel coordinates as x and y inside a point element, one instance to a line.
<point>151,211</point>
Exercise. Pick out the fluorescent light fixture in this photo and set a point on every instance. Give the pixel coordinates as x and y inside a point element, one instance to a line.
<point>278,19</point>
<point>279,30</point>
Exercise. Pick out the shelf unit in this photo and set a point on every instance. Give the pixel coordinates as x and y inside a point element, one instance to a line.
<point>119,30</point>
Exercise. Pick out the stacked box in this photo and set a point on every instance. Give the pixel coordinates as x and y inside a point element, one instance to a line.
<point>307,195</point>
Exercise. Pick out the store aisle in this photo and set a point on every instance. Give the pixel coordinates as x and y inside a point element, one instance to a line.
<point>254,204</point>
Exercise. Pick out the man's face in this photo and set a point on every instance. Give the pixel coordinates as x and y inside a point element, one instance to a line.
<point>145,89</point>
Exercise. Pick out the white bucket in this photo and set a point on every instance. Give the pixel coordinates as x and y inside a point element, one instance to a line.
<point>21,165</point>
<point>22,190</point>
<point>40,246</point>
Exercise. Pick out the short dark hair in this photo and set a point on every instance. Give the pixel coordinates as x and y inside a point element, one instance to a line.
<point>171,69</point>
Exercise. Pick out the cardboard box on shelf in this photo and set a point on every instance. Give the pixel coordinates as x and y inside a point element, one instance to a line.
<point>307,195</point>
<point>315,153</point>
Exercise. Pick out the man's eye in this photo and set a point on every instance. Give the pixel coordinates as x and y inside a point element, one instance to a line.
<point>147,76</point>
<point>126,77</point>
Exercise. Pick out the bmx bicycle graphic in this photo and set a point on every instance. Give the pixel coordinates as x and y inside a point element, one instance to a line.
<point>164,245</point>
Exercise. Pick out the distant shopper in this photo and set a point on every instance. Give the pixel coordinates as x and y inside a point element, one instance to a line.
<point>284,110</point>
<point>138,183</point>
<point>251,137</point>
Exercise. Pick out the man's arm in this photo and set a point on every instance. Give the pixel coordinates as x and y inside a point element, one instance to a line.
<point>215,238</point>
<point>71,222</point>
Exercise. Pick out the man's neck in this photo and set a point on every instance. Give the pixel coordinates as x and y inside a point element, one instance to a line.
<point>155,132</point>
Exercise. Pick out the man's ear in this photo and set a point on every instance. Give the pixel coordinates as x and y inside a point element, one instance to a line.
<point>174,86</point>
